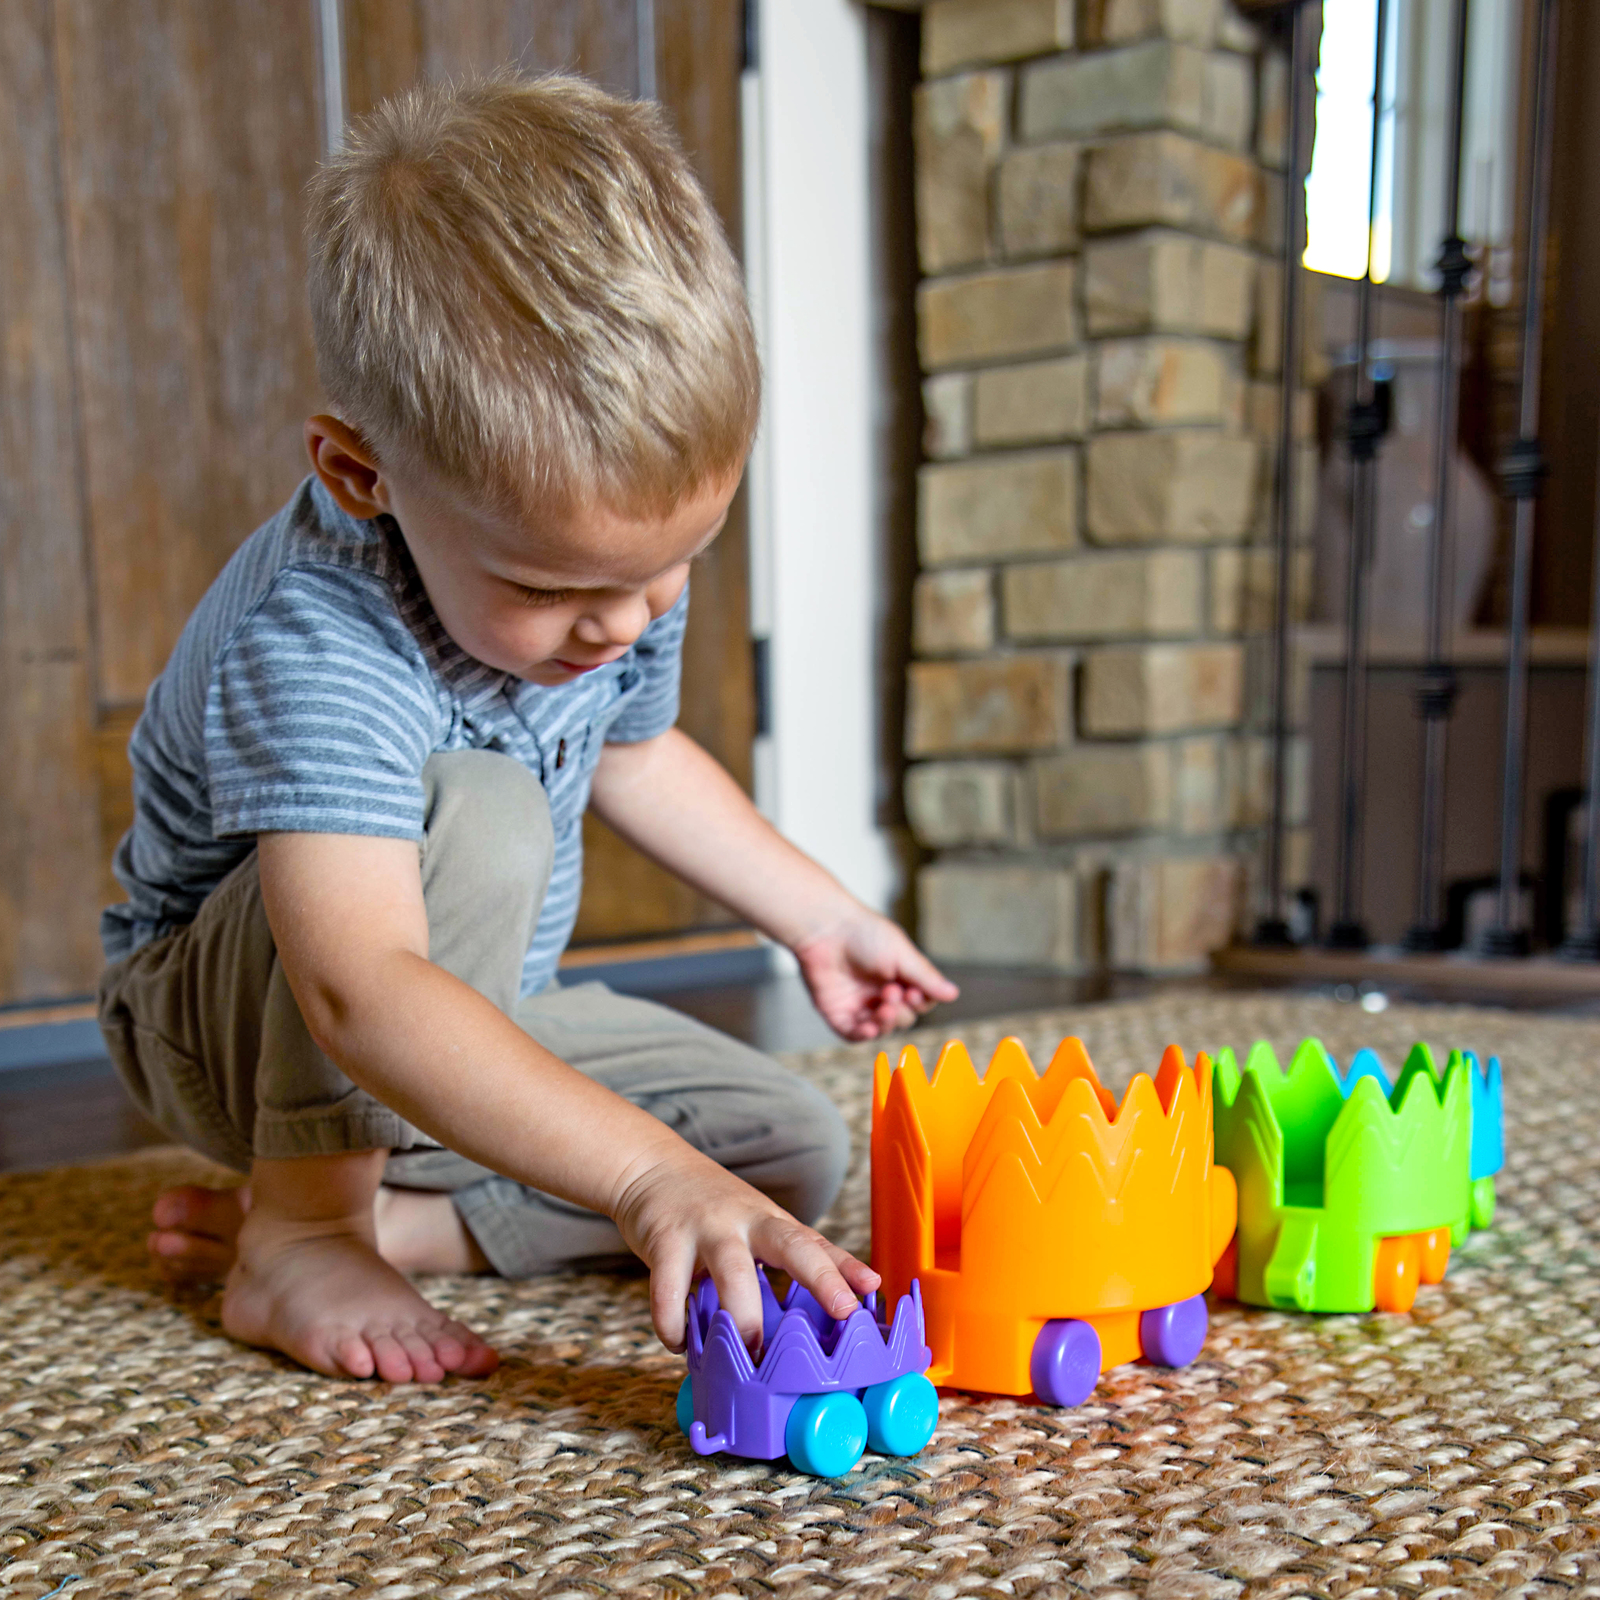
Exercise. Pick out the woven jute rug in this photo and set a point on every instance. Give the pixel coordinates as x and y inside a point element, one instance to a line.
<point>1452,1451</point>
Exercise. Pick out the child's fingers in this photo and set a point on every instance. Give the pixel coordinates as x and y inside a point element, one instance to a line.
<point>856,1273</point>
<point>916,968</point>
<point>671,1274</point>
<point>808,1258</point>
<point>733,1270</point>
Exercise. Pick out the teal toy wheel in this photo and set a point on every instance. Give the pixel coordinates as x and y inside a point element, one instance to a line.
<point>1482,1202</point>
<point>685,1405</point>
<point>901,1414</point>
<point>826,1433</point>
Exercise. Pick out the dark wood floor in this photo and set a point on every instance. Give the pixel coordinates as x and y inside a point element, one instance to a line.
<point>78,1111</point>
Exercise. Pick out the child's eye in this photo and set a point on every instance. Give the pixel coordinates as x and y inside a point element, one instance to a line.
<point>543,597</point>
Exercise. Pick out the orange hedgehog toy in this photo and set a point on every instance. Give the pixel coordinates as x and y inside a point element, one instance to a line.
<point>1054,1233</point>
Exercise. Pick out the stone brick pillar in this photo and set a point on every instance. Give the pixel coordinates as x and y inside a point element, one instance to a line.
<point>1098,222</point>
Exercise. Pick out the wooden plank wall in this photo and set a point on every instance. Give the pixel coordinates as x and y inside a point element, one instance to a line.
<point>49,829</point>
<point>157,367</point>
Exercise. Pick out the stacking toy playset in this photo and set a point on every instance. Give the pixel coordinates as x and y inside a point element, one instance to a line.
<point>1032,1233</point>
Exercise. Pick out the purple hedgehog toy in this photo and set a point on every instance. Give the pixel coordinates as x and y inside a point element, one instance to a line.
<point>824,1391</point>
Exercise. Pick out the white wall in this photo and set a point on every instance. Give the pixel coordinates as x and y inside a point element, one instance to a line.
<point>812,529</point>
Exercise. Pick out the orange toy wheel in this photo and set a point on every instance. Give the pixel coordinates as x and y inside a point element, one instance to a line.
<point>1225,1275</point>
<point>1435,1255</point>
<point>1396,1272</point>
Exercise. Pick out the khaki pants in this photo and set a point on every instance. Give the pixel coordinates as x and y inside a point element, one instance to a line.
<point>208,1038</point>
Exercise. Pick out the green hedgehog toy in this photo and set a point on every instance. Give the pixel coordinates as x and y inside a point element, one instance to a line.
<point>1350,1193</point>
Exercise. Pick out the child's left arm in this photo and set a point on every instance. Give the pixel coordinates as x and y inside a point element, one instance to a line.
<point>671,800</point>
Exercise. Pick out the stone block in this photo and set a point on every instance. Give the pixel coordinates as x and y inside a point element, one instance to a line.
<point>1101,790</point>
<point>992,506</point>
<point>1103,597</point>
<point>1032,403</point>
<point>1272,113</point>
<point>957,33</point>
<point>1121,21</point>
<point>1252,783</point>
<point>1235,32</point>
<point>1001,913</point>
<point>1190,485</point>
<point>991,706</point>
<point>1159,282</point>
<point>1297,857</point>
<point>1159,380</point>
<point>1167,180</point>
<point>1131,690</point>
<point>1258,683</point>
<point>1201,797</point>
<point>947,415</point>
<point>959,126</point>
<point>1244,588</point>
<point>952,611</point>
<point>1228,107</point>
<point>953,803</point>
<point>1261,411</point>
<point>1168,914</point>
<point>1267,344</point>
<point>1152,85</point>
<point>1019,311</point>
<point>1038,200</point>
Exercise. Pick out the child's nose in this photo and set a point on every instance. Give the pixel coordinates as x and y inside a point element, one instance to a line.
<point>619,623</point>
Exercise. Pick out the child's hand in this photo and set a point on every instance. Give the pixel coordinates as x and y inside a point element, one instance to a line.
<point>684,1212</point>
<point>867,978</point>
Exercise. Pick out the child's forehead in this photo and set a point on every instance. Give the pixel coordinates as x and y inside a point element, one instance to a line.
<point>594,546</point>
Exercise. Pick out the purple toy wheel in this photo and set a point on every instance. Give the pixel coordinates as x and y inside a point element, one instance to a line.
<point>1066,1362</point>
<point>1171,1336</point>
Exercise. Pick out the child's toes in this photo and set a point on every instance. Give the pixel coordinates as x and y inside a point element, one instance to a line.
<point>394,1365</point>
<point>478,1359</point>
<point>214,1213</point>
<point>425,1365</point>
<point>353,1355</point>
<point>185,1257</point>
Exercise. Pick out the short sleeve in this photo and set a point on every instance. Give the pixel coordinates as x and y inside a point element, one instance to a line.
<point>320,713</point>
<point>658,655</point>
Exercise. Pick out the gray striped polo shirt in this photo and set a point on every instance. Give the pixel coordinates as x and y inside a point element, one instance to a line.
<point>306,692</point>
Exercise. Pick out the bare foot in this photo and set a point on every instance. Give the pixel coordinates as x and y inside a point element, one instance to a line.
<point>319,1291</point>
<point>197,1231</point>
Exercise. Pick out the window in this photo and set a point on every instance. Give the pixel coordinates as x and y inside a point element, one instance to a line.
<point>1413,133</point>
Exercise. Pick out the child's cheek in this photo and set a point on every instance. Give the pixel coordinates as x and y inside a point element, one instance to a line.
<point>662,595</point>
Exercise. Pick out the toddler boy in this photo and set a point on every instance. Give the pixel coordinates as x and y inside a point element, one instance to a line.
<point>360,781</point>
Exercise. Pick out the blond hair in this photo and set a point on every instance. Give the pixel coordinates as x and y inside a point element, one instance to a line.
<point>520,286</point>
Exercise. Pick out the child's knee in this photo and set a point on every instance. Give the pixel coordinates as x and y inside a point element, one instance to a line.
<point>489,814</point>
<point>821,1154</point>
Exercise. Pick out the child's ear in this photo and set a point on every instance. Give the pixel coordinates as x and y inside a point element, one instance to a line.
<point>345,463</point>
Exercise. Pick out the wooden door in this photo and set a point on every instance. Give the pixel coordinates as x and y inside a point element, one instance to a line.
<point>157,366</point>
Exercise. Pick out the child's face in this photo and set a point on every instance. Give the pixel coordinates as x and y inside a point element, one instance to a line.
<point>546,599</point>
<point>550,601</point>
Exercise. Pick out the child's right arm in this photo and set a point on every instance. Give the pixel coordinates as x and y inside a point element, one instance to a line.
<point>352,932</point>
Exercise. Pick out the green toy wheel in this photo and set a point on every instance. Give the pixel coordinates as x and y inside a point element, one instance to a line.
<point>685,1405</point>
<point>826,1433</point>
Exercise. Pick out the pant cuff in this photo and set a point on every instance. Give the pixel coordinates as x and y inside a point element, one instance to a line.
<point>526,1234</point>
<point>331,1132</point>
